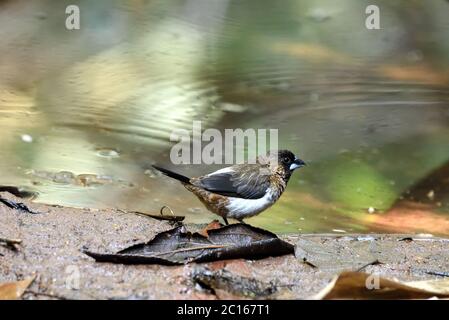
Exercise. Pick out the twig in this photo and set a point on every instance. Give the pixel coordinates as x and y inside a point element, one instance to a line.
<point>17,206</point>
<point>191,249</point>
<point>160,217</point>
<point>166,207</point>
<point>45,294</point>
<point>438,273</point>
<point>374,263</point>
<point>10,243</point>
<point>307,262</point>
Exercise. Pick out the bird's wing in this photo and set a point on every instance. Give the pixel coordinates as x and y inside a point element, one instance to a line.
<point>246,181</point>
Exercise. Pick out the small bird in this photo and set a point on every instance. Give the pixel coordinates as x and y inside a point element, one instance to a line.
<point>243,190</point>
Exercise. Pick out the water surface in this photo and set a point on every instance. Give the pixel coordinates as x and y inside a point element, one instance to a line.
<point>85,113</point>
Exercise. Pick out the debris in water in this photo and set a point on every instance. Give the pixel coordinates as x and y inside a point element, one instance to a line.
<point>26,138</point>
<point>64,177</point>
<point>232,107</point>
<point>87,180</point>
<point>108,153</point>
<point>83,179</point>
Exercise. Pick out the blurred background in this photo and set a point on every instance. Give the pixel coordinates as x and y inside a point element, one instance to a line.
<point>84,113</point>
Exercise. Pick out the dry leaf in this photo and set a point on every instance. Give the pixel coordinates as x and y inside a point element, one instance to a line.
<point>178,246</point>
<point>14,290</point>
<point>359,285</point>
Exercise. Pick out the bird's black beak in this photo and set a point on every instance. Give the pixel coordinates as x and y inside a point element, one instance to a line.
<point>298,163</point>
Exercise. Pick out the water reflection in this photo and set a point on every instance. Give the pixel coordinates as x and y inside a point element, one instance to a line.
<point>84,113</point>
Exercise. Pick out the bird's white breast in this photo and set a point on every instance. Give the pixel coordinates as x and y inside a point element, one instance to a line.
<point>243,208</point>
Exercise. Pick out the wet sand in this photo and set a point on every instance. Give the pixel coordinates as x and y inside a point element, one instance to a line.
<point>53,240</point>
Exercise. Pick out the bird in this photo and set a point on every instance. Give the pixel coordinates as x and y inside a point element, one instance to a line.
<point>243,190</point>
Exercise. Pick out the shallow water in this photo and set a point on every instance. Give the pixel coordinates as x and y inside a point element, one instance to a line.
<point>85,113</point>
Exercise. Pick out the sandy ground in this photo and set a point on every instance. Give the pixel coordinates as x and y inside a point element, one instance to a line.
<point>53,240</point>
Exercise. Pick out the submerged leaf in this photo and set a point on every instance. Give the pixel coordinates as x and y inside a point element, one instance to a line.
<point>178,246</point>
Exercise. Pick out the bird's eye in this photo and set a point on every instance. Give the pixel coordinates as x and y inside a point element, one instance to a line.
<point>286,160</point>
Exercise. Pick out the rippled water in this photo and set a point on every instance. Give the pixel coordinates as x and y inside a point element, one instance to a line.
<point>85,113</point>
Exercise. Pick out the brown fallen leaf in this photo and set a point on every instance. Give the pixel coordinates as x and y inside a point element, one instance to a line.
<point>15,290</point>
<point>359,285</point>
<point>179,246</point>
<point>211,226</point>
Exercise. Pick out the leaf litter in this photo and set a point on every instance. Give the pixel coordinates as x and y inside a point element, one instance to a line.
<point>179,246</point>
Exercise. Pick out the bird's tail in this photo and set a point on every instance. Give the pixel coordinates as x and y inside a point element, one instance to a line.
<point>173,175</point>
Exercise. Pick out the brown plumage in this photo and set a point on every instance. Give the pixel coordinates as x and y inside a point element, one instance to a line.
<point>243,190</point>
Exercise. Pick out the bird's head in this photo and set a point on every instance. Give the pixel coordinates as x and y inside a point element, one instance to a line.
<point>289,161</point>
<point>282,161</point>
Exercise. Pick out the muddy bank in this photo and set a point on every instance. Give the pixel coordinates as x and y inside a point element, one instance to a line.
<point>52,242</point>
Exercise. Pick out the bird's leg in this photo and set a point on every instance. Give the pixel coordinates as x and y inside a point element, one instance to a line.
<point>241,221</point>
<point>226,221</point>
